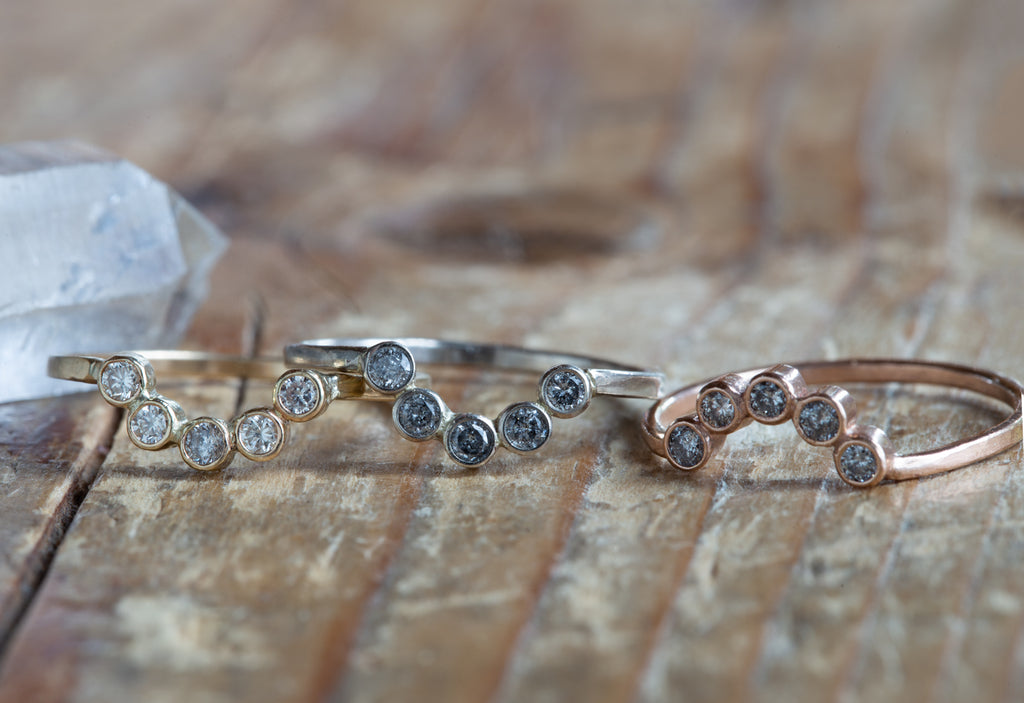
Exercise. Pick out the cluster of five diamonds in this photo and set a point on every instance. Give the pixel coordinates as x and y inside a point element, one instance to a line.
<point>205,443</point>
<point>822,418</point>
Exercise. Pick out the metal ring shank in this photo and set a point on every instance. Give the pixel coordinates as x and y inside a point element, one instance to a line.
<point>878,371</point>
<point>86,367</point>
<point>348,356</point>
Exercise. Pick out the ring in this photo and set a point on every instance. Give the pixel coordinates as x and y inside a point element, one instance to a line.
<point>128,380</point>
<point>826,416</point>
<point>568,384</point>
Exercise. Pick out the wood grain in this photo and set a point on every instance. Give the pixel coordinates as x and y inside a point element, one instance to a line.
<point>697,186</point>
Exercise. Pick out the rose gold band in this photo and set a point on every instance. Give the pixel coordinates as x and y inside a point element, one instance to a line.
<point>699,416</point>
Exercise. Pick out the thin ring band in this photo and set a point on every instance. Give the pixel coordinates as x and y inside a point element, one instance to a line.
<point>388,366</point>
<point>128,380</point>
<point>826,416</point>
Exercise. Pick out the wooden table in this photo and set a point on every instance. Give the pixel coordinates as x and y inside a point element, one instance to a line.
<point>694,185</point>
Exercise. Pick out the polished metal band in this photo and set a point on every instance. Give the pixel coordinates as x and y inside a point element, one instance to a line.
<point>128,380</point>
<point>388,366</point>
<point>688,425</point>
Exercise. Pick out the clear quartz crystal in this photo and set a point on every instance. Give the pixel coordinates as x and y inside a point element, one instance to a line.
<point>95,255</point>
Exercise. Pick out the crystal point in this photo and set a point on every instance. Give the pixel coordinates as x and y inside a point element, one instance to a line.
<point>96,256</point>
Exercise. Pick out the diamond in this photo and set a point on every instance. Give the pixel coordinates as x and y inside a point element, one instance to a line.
<point>565,391</point>
<point>258,434</point>
<point>525,427</point>
<point>686,446</point>
<point>298,394</point>
<point>418,413</point>
<point>717,409</point>
<point>819,421</point>
<point>767,400</point>
<point>470,440</point>
<point>120,380</point>
<point>389,367</point>
<point>858,463</point>
<point>150,424</point>
<point>204,444</point>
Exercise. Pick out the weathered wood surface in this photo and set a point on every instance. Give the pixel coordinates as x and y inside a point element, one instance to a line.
<point>700,186</point>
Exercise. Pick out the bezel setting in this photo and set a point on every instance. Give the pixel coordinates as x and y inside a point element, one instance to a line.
<point>428,398</point>
<point>110,377</point>
<point>385,354</point>
<point>268,418</point>
<point>720,404</point>
<point>310,381</point>
<point>171,414</point>
<point>217,433</point>
<point>512,415</point>
<point>786,380</point>
<point>555,390</point>
<point>688,431</point>
<point>873,441</point>
<point>839,403</point>
<point>485,434</point>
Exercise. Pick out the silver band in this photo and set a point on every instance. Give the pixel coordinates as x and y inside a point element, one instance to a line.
<point>388,366</point>
<point>348,355</point>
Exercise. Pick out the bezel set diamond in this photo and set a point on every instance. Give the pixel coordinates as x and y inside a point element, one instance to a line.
<point>825,417</point>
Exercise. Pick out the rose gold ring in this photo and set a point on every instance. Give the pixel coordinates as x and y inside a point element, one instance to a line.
<point>704,413</point>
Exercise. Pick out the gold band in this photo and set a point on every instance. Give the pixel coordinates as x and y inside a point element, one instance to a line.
<point>128,380</point>
<point>702,414</point>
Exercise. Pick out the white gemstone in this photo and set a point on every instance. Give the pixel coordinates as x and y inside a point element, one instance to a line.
<point>258,434</point>
<point>298,394</point>
<point>204,443</point>
<point>121,380</point>
<point>149,424</point>
<point>389,368</point>
<point>565,392</point>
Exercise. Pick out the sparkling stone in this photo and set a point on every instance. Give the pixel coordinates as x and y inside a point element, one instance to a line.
<point>418,413</point>
<point>470,440</point>
<point>121,380</point>
<point>767,400</point>
<point>298,394</point>
<point>565,392</point>
<point>95,254</point>
<point>389,368</point>
<point>204,443</point>
<point>686,446</point>
<point>258,434</point>
<point>819,421</point>
<point>717,409</point>
<point>149,424</point>
<point>858,463</point>
<point>526,427</point>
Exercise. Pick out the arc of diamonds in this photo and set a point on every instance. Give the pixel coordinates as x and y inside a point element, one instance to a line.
<point>471,439</point>
<point>127,380</point>
<point>825,417</point>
